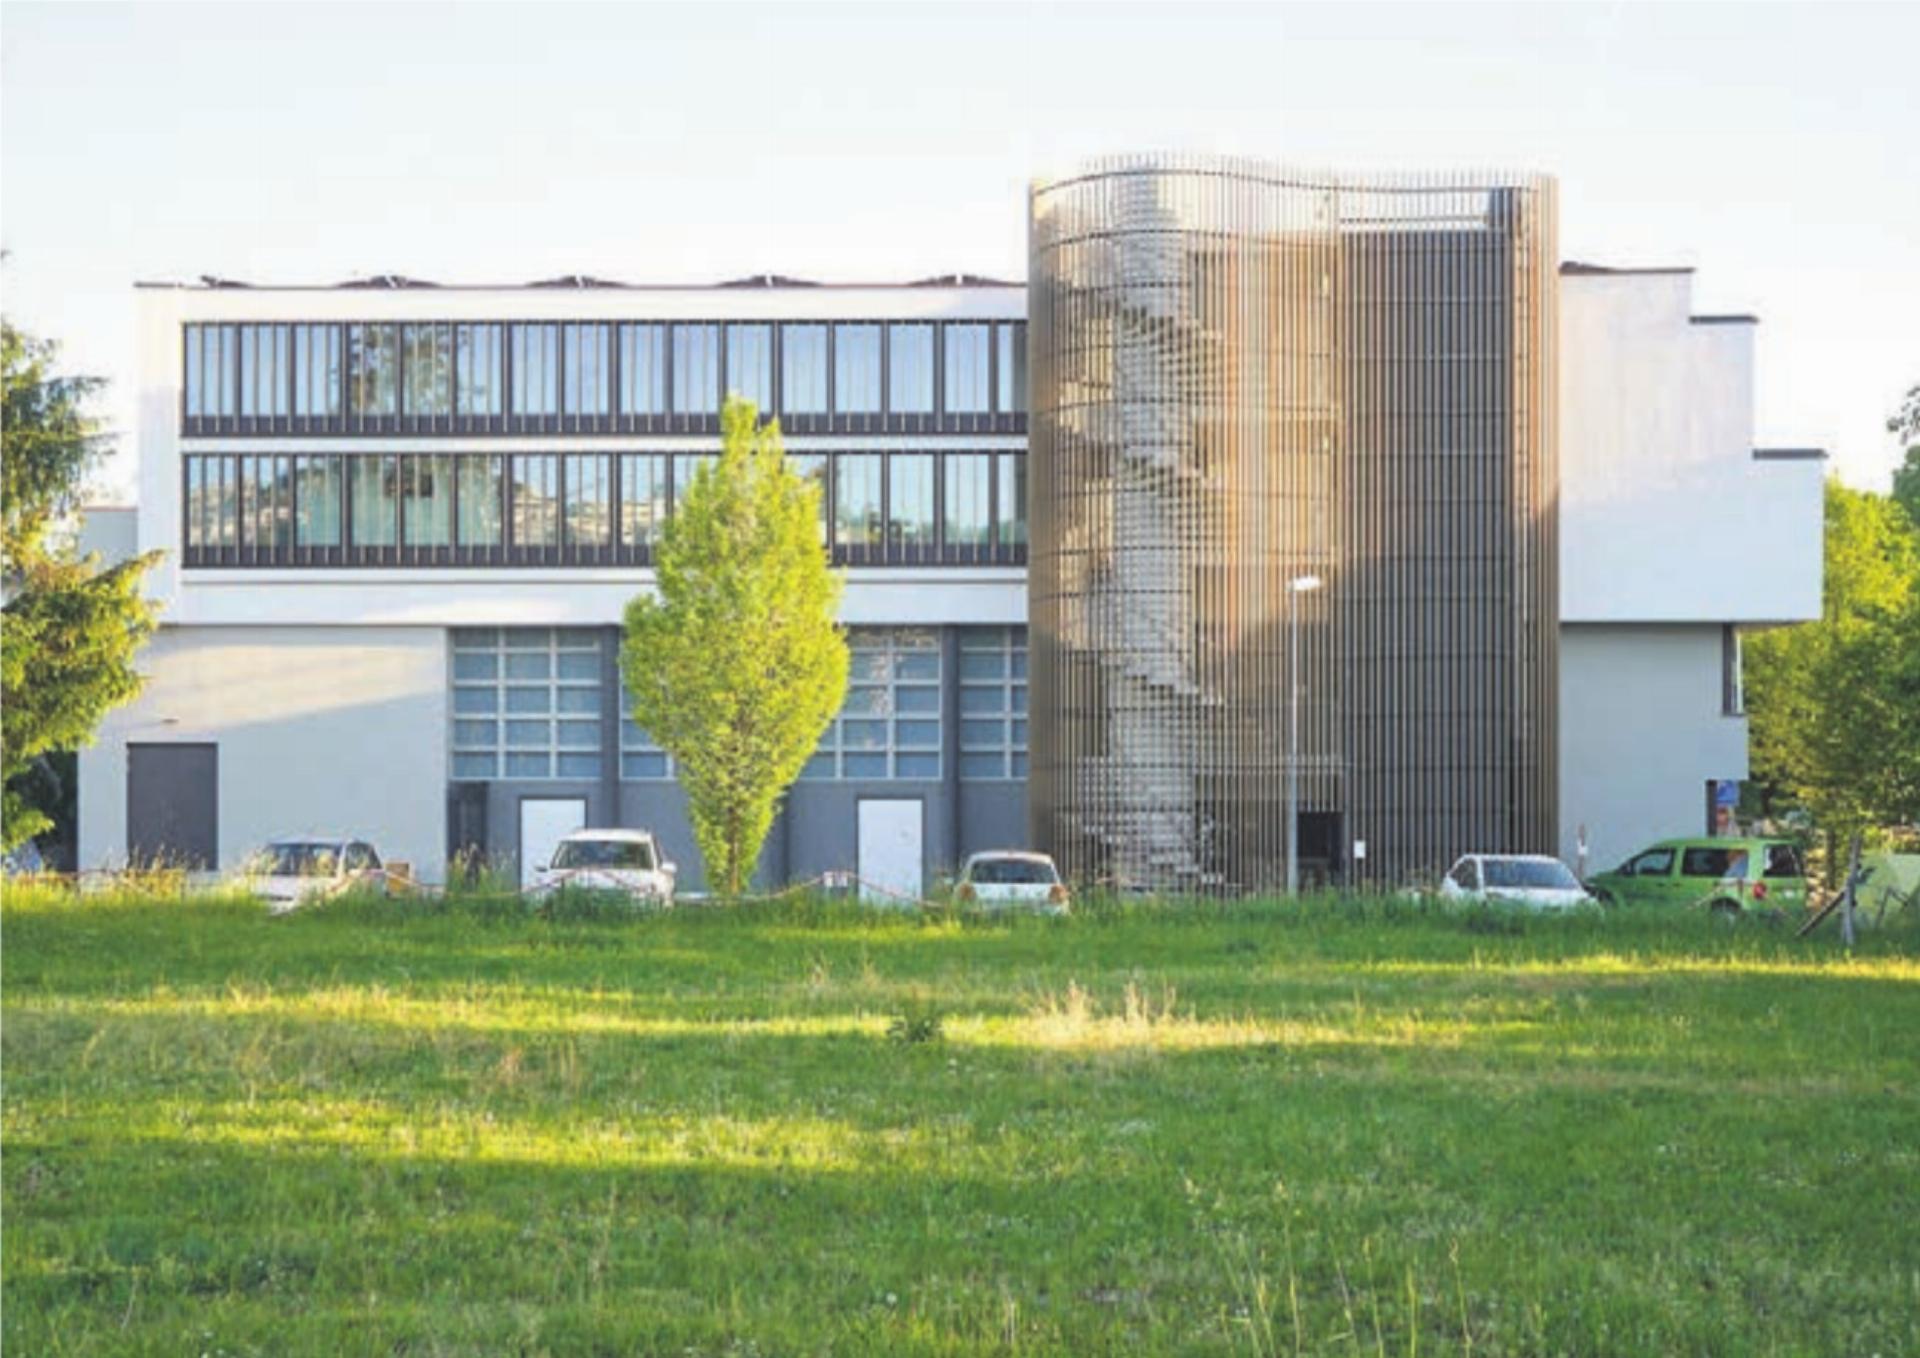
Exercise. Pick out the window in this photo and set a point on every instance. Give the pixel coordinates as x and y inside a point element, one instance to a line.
<point>813,467</point>
<point>643,369</point>
<point>685,467</point>
<point>536,501</point>
<point>1733,702</point>
<point>641,759</point>
<point>589,500</point>
<point>211,361</point>
<point>1783,861</point>
<point>214,504</point>
<point>889,725</point>
<point>526,703</point>
<point>993,702</point>
<point>429,367</point>
<point>318,521</point>
<point>750,364</point>
<point>589,369</point>
<point>1652,863</point>
<point>374,486</point>
<point>373,356</point>
<point>803,369</point>
<point>910,500</point>
<point>856,499</point>
<point>910,369</point>
<point>696,369</point>
<point>1013,500</point>
<point>536,369</point>
<point>266,508</point>
<point>643,498</point>
<point>1705,862</point>
<point>479,497</point>
<point>1466,875</point>
<point>478,383</point>
<point>316,371</point>
<point>856,369</point>
<point>1012,393</point>
<point>266,369</point>
<point>968,369</point>
<point>967,521</point>
<point>426,501</point>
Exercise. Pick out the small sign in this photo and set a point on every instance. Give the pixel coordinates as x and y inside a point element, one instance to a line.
<point>1726,792</point>
<point>1359,850</point>
<point>836,880</point>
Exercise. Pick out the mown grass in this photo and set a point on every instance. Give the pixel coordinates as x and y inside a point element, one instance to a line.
<point>1362,1127</point>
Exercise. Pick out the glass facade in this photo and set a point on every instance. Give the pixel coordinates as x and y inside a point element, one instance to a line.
<point>889,724</point>
<point>750,364</point>
<point>803,369</point>
<point>479,385</point>
<point>993,702</point>
<point>856,369</point>
<point>969,369</point>
<point>526,703</point>
<point>643,369</point>
<point>696,369</point>
<point>910,369</point>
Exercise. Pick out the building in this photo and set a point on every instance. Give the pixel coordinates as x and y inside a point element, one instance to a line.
<point>402,522</point>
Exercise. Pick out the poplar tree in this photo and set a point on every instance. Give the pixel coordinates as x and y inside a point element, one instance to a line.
<point>737,664</point>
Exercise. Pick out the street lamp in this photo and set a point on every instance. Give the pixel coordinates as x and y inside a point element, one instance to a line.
<point>1300,584</point>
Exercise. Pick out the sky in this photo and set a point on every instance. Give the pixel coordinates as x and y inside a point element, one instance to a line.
<point>1774,148</point>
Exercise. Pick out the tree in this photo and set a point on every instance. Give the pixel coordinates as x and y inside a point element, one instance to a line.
<point>69,628</point>
<point>1834,705</point>
<point>737,665</point>
<point>1906,478</point>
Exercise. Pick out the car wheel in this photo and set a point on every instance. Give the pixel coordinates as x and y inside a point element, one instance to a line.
<point>1605,898</point>
<point>1727,912</point>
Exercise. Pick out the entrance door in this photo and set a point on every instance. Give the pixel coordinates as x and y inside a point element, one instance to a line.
<point>173,806</point>
<point>544,822</point>
<point>889,853</point>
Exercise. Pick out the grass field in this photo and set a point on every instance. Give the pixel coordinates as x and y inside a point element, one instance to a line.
<point>1347,1127</point>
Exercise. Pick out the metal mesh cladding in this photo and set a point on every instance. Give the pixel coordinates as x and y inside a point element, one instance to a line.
<point>1243,375</point>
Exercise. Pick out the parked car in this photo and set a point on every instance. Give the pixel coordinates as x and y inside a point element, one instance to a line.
<point>290,872</point>
<point>1007,878</point>
<point>1520,879</point>
<point>1731,875</point>
<point>625,861</point>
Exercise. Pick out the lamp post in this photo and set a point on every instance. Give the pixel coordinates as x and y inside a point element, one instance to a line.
<point>1300,584</point>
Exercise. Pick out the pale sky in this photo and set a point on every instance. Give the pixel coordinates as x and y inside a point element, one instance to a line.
<point>1775,148</point>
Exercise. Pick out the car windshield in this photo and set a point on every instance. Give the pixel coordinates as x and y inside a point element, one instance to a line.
<point>635,854</point>
<point>1012,872</point>
<point>1528,872</point>
<point>298,860</point>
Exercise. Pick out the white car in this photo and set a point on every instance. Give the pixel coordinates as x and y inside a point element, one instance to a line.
<point>1008,878</point>
<point>1520,879</point>
<point>290,872</point>
<point>627,861</point>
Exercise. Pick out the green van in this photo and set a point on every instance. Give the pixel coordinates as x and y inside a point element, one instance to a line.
<point>1725,874</point>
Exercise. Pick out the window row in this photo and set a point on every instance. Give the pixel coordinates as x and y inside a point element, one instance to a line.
<point>599,370</point>
<point>366,508</point>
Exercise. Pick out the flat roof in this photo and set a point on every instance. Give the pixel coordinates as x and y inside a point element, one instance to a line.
<point>1580,268</point>
<point>1789,454</point>
<point>570,283</point>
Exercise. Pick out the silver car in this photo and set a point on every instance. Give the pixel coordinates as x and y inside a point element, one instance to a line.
<point>291,872</point>
<point>626,861</point>
<point>1011,878</point>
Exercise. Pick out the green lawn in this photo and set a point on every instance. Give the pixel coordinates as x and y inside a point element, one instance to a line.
<point>1359,1127</point>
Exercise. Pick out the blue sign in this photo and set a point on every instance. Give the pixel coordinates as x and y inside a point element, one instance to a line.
<point>1726,792</point>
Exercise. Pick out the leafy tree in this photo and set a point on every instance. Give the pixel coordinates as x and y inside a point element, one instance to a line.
<point>69,628</point>
<point>1834,705</point>
<point>1906,478</point>
<point>737,666</point>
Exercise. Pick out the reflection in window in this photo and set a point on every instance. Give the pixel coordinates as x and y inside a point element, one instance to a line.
<point>1013,367</point>
<point>910,369</point>
<point>856,499</point>
<point>803,369</point>
<point>479,495</point>
<point>536,500</point>
<point>318,521</point>
<point>266,509</point>
<point>696,369</point>
<point>968,519</point>
<point>889,724</point>
<point>750,364</point>
<point>429,355</point>
<point>589,499</point>
<point>588,350</point>
<point>373,356</point>
<point>643,369</point>
<point>211,359</point>
<point>316,370</point>
<point>213,496</point>
<point>685,467</point>
<point>856,369</point>
<point>536,369</point>
<point>812,468</point>
<point>1013,499</point>
<point>910,500</point>
<point>968,368</point>
<point>477,377</point>
<point>374,487</point>
<point>266,363</point>
<point>643,498</point>
<point>426,501</point>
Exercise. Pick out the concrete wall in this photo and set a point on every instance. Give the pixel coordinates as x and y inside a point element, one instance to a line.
<point>1641,731</point>
<point>320,730</point>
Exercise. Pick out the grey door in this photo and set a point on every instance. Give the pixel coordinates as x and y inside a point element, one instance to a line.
<point>173,805</point>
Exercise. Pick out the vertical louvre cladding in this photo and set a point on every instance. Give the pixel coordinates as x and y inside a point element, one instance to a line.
<point>1241,376</point>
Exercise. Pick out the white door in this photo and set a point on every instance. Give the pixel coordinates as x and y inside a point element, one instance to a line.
<point>889,853</point>
<point>544,822</point>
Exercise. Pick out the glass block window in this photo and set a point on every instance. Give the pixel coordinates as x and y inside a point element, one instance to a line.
<point>643,369</point>
<point>967,369</point>
<point>993,702</point>
<point>889,725</point>
<point>526,702</point>
<point>641,760</point>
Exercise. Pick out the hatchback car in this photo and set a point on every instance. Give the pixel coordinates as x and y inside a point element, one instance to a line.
<point>1518,879</point>
<point>290,872</point>
<point>624,861</point>
<point>1730,875</point>
<point>1008,878</point>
